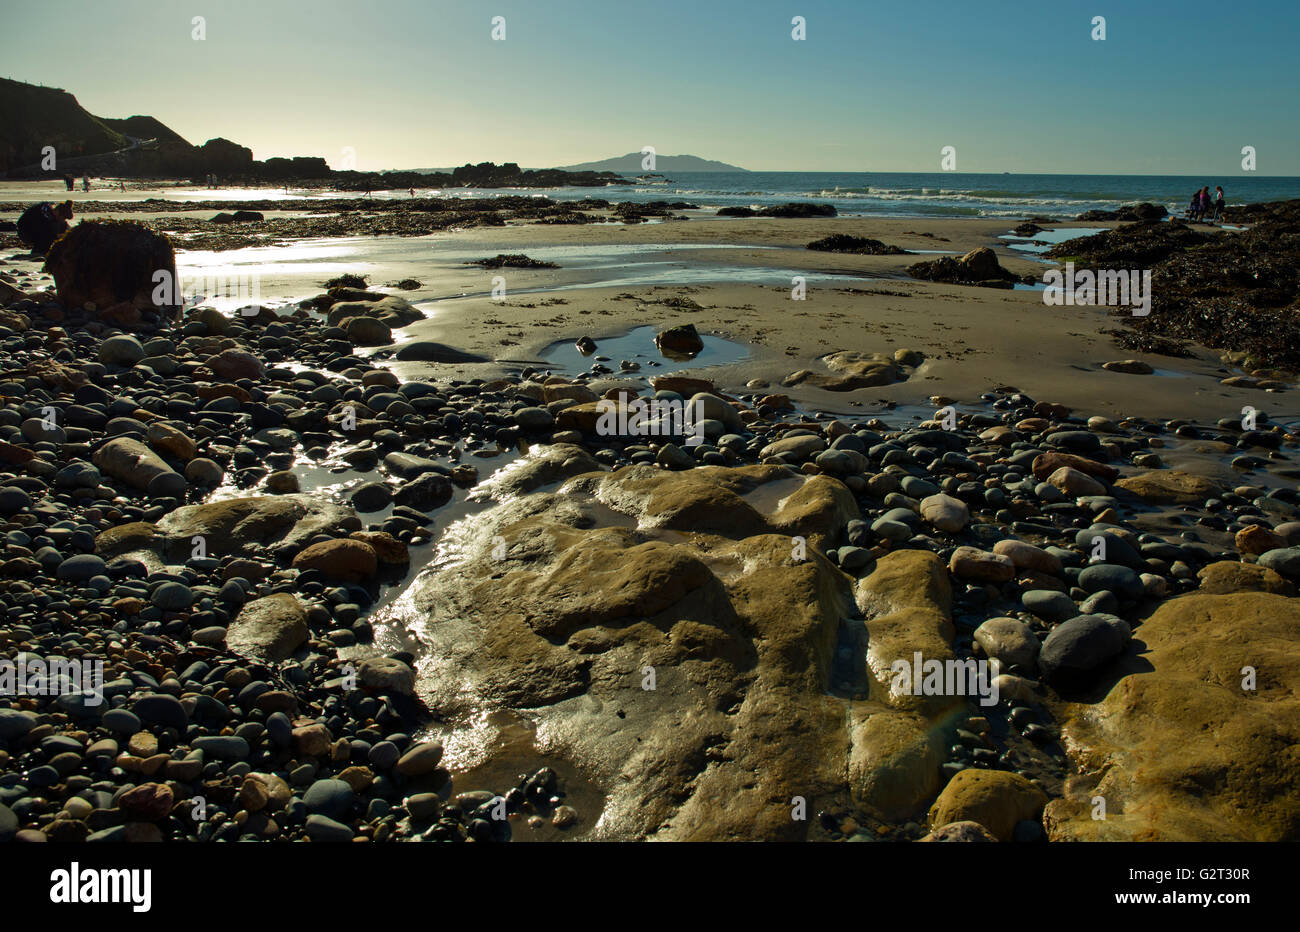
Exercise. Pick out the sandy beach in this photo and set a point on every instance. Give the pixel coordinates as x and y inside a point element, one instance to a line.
<point>974,339</point>
<point>737,274</point>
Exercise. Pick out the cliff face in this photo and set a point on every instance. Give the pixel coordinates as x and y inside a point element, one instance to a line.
<point>33,117</point>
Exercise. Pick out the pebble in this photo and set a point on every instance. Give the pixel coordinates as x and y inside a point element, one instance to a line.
<point>329,797</point>
<point>421,759</point>
<point>323,829</point>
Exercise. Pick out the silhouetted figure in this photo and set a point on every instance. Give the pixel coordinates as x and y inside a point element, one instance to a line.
<point>1218,203</point>
<point>43,223</point>
<point>85,182</point>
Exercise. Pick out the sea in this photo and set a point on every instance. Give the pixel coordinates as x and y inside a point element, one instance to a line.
<point>944,194</point>
<point>866,194</point>
<point>916,194</point>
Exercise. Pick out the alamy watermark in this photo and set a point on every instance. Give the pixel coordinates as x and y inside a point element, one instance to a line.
<point>77,884</point>
<point>936,677</point>
<point>31,675</point>
<point>1108,287</point>
<point>173,291</point>
<point>656,417</point>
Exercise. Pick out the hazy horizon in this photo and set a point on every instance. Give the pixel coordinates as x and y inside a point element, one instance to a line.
<point>1174,89</point>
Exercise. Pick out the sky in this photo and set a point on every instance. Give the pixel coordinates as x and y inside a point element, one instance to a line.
<point>1174,88</point>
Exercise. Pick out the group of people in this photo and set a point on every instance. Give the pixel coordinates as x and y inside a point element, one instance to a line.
<point>1201,206</point>
<point>70,182</point>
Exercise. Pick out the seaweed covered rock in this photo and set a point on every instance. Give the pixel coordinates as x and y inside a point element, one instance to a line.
<point>111,269</point>
<point>793,209</point>
<point>1136,246</point>
<point>1235,290</point>
<point>859,245</point>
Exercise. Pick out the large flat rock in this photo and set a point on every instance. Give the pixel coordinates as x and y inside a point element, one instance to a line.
<point>1178,749</point>
<point>669,638</point>
<point>251,524</point>
<point>270,628</point>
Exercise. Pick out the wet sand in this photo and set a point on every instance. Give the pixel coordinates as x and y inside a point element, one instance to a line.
<point>974,338</point>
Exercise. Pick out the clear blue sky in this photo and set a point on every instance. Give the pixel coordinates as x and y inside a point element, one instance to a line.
<point>1176,87</point>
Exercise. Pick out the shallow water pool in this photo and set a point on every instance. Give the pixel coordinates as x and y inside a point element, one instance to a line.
<point>638,345</point>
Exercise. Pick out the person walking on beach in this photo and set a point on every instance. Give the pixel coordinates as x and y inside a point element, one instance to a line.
<point>1218,202</point>
<point>1205,202</point>
<point>1194,208</point>
<point>69,182</point>
<point>43,223</point>
<point>85,182</point>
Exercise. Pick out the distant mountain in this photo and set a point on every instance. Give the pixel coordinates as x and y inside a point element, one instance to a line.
<point>630,164</point>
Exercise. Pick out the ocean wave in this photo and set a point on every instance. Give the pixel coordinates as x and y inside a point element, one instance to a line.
<point>961,197</point>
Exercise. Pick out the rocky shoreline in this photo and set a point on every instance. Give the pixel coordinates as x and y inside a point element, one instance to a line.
<point>169,511</point>
<point>240,224</point>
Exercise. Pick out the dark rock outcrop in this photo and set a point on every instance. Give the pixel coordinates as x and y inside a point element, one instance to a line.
<point>1129,212</point>
<point>793,209</point>
<point>859,245</point>
<point>513,261</point>
<point>977,267</point>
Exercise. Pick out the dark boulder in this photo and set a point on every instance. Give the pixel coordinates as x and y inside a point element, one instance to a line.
<point>1129,213</point>
<point>428,351</point>
<point>681,341</point>
<point>1079,646</point>
<point>108,268</point>
<point>978,267</point>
